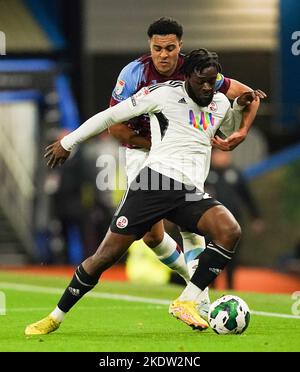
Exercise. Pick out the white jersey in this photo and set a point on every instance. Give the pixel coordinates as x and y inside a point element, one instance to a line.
<point>134,162</point>
<point>181,130</point>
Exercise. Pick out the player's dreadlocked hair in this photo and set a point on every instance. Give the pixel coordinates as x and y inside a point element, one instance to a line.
<point>198,59</point>
<point>165,26</point>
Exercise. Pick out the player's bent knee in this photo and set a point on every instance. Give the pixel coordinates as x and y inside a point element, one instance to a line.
<point>230,235</point>
<point>236,233</point>
<point>152,240</point>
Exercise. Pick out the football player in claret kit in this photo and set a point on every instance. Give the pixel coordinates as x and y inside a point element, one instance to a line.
<point>184,117</point>
<point>162,64</point>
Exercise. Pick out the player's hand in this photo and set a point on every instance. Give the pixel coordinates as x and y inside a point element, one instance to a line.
<point>230,142</point>
<point>56,154</point>
<point>247,98</point>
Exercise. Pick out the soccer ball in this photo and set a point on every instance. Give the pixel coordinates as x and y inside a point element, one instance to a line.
<point>229,314</point>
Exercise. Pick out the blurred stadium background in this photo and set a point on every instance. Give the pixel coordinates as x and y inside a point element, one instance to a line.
<point>59,60</point>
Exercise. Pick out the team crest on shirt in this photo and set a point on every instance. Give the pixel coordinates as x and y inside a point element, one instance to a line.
<point>122,222</point>
<point>120,86</point>
<point>213,106</point>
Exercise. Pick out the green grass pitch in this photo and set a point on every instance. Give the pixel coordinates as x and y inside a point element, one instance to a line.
<point>121,316</point>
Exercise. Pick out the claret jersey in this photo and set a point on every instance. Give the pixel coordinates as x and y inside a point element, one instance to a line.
<point>141,73</point>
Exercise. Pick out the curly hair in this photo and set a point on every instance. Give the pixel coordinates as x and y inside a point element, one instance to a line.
<point>198,59</point>
<point>165,26</point>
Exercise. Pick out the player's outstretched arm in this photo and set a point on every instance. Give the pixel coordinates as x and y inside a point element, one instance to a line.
<point>251,101</point>
<point>143,102</point>
<point>58,152</point>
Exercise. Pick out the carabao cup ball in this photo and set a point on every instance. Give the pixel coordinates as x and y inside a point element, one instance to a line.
<point>229,314</point>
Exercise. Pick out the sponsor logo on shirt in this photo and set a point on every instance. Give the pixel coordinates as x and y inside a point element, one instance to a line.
<point>122,222</point>
<point>119,87</point>
<point>201,121</point>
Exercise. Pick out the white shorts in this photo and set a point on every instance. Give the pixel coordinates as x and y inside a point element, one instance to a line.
<point>135,159</point>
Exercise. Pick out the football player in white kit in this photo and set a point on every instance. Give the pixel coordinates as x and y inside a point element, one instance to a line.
<point>162,64</point>
<point>185,117</point>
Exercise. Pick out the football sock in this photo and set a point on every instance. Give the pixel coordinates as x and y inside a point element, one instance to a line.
<point>193,245</point>
<point>170,254</point>
<point>80,284</point>
<point>211,262</point>
<point>192,293</point>
<point>58,314</point>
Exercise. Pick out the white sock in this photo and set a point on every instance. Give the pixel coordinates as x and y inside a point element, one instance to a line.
<point>58,314</point>
<point>193,293</point>
<point>167,253</point>
<point>193,245</point>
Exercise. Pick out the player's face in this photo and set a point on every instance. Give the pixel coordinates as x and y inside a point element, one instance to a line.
<point>201,85</point>
<point>164,52</point>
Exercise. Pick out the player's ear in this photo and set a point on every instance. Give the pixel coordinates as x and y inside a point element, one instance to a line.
<point>180,44</point>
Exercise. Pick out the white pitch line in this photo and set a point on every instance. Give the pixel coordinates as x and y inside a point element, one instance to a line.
<point>112,296</point>
<point>25,309</point>
<point>263,313</point>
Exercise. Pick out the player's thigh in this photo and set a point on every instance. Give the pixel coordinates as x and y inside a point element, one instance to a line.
<point>188,213</point>
<point>141,208</point>
<point>155,235</point>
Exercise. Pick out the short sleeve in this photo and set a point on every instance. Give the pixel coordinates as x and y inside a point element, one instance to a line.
<point>222,83</point>
<point>127,82</point>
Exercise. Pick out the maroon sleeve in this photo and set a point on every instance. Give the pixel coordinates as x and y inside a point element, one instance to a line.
<point>113,102</point>
<point>225,86</point>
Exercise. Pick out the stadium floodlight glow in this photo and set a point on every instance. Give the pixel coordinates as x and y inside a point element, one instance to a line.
<point>2,43</point>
